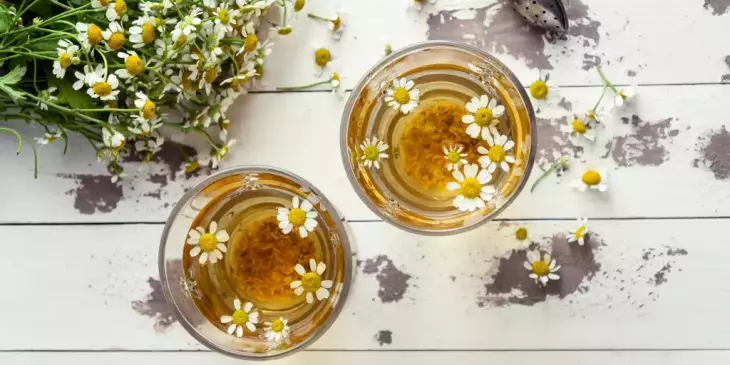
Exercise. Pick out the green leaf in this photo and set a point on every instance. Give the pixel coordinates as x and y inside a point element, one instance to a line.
<point>19,62</point>
<point>44,46</point>
<point>43,8</point>
<point>14,76</point>
<point>76,99</point>
<point>5,19</point>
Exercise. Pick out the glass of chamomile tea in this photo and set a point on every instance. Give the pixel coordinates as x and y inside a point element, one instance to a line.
<point>255,263</point>
<point>438,138</point>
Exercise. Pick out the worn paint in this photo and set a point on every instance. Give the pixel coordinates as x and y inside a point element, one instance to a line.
<point>665,257</point>
<point>393,282</point>
<point>553,140</point>
<point>590,61</point>
<point>565,104</point>
<point>715,153</point>
<point>155,306</point>
<point>384,337</point>
<point>718,7</point>
<point>661,276</point>
<point>644,145</point>
<point>631,73</point>
<point>94,193</point>
<point>171,154</point>
<point>726,77</point>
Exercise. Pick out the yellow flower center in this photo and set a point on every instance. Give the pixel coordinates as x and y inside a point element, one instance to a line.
<point>336,23</point>
<point>401,96</point>
<point>148,110</point>
<point>210,75</point>
<point>591,115</point>
<point>284,31</point>
<point>322,56</point>
<point>159,21</point>
<point>187,84</point>
<point>224,16</point>
<point>335,76</point>
<point>483,117</point>
<point>539,89</point>
<point>251,42</point>
<point>239,317</point>
<point>180,41</point>
<point>470,188</point>
<point>134,65</point>
<point>116,41</point>
<point>113,104</point>
<point>148,33</point>
<point>580,232</point>
<point>120,7</point>
<point>235,84</point>
<point>105,3</point>
<point>298,5</point>
<point>496,154</point>
<point>521,234</point>
<point>591,177</point>
<point>579,126</point>
<point>94,34</point>
<point>540,268</point>
<point>311,281</point>
<point>65,60</point>
<point>208,242</point>
<point>277,325</point>
<point>453,157</point>
<point>372,153</point>
<point>192,167</point>
<point>297,217</point>
<point>101,88</point>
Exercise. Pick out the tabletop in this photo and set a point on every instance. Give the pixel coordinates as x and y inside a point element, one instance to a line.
<point>80,253</point>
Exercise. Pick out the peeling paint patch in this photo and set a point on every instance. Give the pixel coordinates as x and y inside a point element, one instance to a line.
<point>553,140</point>
<point>726,77</point>
<point>565,104</point>
<point>715,153</point>
<point>384,337</point>
<point>631,73</point>
<point>660,256</point>
<point>94,193</point>
<point>718,7</point>
<point>590,61</point>
<point>643,146</point>
<point>155,306</point>
<point>393,282</point>
<point>660,277</point>
<point>171,154</point>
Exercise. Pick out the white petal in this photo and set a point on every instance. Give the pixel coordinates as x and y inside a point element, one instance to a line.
<point>312,265</point>
<point>473,130</point>
<point>321,267</point>
<point>193,234</point>
<point>300,269</point>
<point>237,304</point>
<point>306,205</point>
<point>213,228</point>
<point>510,159</point>
<point>299,290</point>
<point>213,257</point>
<point>231,329</point>
<point>303,232</point>
<point>295,202</point>
<point>498,111</point>
<point>532,256</point>
<point>458,175</point>
<point>602,187</point>
<point>527,265</point>
<point>195,251</point>
<point>468,119</point>
<point>287,227</point>
<point>250,327</point>
<point>505,166</point>
<point>226,319</point>
<point>471,170</point>
<point>203,258</point>
<point>322,293</point>
<point>239,331</point>
<point>472,106</point>
<point>489,139</point>
<point>247,307</point>
<point>451,186</point>
<point>222,236</point>
<point>484,101</point>
<point>295,284</point>
<point>327,284</point>
<point>532,275</point>
<point>544,280</point>
<point>484,176</point>
<point>310,224</point>
<point>492,166</point>
<point>492,104</point>
<point>459,201</point>
<point>508,146</point>
<point>552,276</point>
<point>310,298</point>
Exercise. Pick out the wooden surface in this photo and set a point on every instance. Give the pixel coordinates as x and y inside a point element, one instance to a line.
<point>79,254</point>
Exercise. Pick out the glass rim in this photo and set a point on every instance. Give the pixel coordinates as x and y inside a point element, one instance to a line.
<point>343,238</point>
<point>383,63</point>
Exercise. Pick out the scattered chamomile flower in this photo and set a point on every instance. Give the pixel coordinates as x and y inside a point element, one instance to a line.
<point>594,115</point>
<point>242,317</point>
<point>145,105</point>
<point>221,153</point>
<point>112,138</point>
<point>593,180</point>
<point>322,57</point>
<point>473,191</point>
<point>484,114</point>
<point>89,35</point>
<point>99,4</point>
<point>521,234</point>
<point>623,96</point>
<point>283,30</point>
<point>49,137</point>
<point>276,331</point>
<point>388,49</point>
<point>210,246</point>
<point>117,10</point>
<point>133,65</point>
<point>46,96</point>
<point>420,4</point>
<point>66,57</point>
<point>497,154</point>
<point>301,217</point>
<point>334,23</point>
<point>580,233</point>
<point>540,91</point>
<point>114,36</point>
<point>403,95</point>
<point>299,5</point>
<point>372,151</point>
<point>335,82</point>
<point>454,157</point>
<point>542,270</point>
<point>578,127</point>
<point>312,282</point>
<point>143,32</point>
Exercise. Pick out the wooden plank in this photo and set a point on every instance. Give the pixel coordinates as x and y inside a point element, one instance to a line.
<point>380,357</point>
<point>651,284</point>
<point>632,46</point>
<point>674,124</point>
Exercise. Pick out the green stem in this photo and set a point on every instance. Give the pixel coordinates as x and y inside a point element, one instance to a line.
<point>107,110</point>
<point>67,110</point>
<point>20,13</point>
<point>561,162</point>
<point>599,99</point>
<point>303,87</point>
<point>605,80</point>
<point>16,134</point>
<point>61,5</point>
<point>317,17</point>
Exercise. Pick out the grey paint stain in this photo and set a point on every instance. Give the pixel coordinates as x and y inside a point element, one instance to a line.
<point>718,7</point>
<point>590,61</point>
<point>553,139</point>
<point>643,146</point>
<point>94,193</point>
<point>171,154</point>
<point>631,73</point>
<point>384,337</point>
<point>677,252</point>
<point>578,266</point>
<point>393,282</point>
<point>726,77</point>
<point>715,153</point>
<point>660,277</point>
<point>565,104</point>
<point>155,306</point>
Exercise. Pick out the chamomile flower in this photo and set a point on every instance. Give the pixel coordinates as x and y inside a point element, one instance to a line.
<point>112,138</point>
<point>403,95</point>
<point>542,270</point>
<point>89,35</point>
<point>66,57</point>
<point>243,316</point>
<point>225,17</point>
<point>250,39</point>
<point>594,115</point>
<point>152,145</point>
<point>114,36</point>
<point>221,153</point>
<point>419,4</point>
<point>624,96</point>
<point>210,74</point>
<point>187,25</point>
<point>312,282</point>
<point>46,97</point>
<point>88,77</point>
<point>580,233</point>
<point>541,92</point>
<point>454,157</point>
<point>104,89</point>
<point>143,32</point>
<point>592,180</point>
<point>99,4</point>
<point>485,113</point>
<point>117,10</point>
<point>521,234</point>
<point>144,127</point>
<point>209,245</point>
<point>335,82</point>
<point>372,151</point>
<point>322,57</point>
<point>336,25</point>
<point>580,128</point>
<point>133,65</point>
<point>472,188</point>
<point>498,153</point>
<point>299,217</point>
<point>49,137</point>
<point>276,331</point>
<point>145,105</point>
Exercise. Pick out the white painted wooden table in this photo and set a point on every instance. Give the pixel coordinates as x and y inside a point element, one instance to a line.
<point>79,255</point>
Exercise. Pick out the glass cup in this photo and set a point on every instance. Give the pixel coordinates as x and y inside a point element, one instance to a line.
<point>405,131</point>
<point>264,289</point>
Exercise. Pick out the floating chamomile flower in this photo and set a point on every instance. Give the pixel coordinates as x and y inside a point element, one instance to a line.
<point>133,65</point>
<point>497,154</point>
<point>210,246</point>
<point>242,317</point>
<point>593,180</point>
<point>521,234</point>
<point>419,4</point>
<point>301,217</point>
<point>322,57</point>
<point>578,127</point>
<point>114,36</point>
<point>542,270</point>
<point>276,331</point>
<point>49,138</point>
<point>89,34</point>
<point>143,31</point>
<point>372,151</point>
<point>580,233</point>
<point>454,157</point>
<point>66,57</point>
<point>484,114</point>
<point>117,10</point>
<point>312,282</point>
<point>473,191</point>
<point>403,95</point>
<point>624,96</point>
